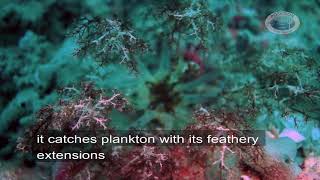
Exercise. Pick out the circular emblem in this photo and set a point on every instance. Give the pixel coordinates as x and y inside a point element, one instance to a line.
<point>282,22</point>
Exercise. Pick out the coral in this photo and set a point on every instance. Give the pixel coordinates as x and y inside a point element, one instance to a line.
<point>174,162</point>
<point>30,76</point>
<point>87,109</point>
<point>311,169</point>
<point>106,39</point>
<point>162,95</point>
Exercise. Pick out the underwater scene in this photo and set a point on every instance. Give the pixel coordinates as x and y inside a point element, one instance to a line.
<point>79,70</point>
